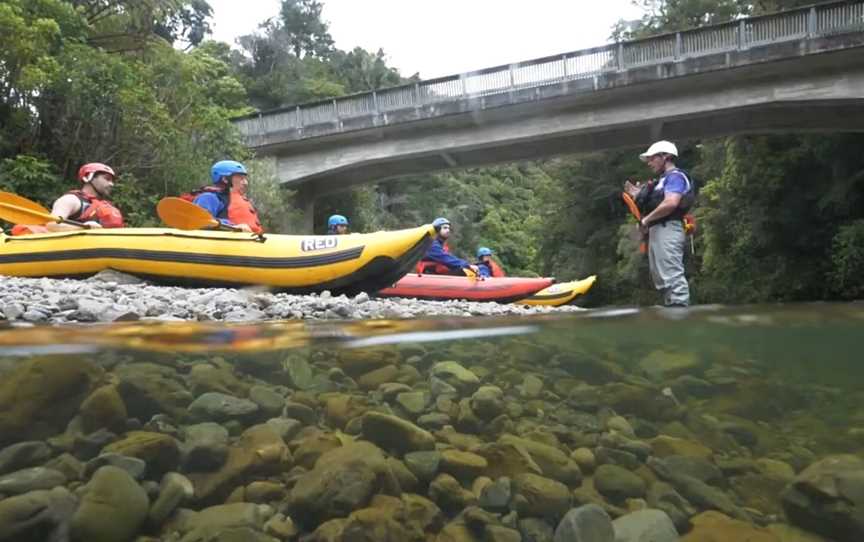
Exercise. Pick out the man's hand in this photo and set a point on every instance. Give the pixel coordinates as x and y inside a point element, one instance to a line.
<point>91,225</point>
<point>244,228</point>
<point>631,189</point>
<point>643,227</point>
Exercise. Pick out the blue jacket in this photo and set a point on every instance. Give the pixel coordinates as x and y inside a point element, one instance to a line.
<point>437,254</point>
<point>214,205</point>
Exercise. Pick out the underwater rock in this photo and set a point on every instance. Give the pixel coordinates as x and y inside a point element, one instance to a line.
<point>393,433</point>
<point>617,483</point>
<point>173,491</point>
<point>712,526</point>
<point>661,365</point>
<point>37,515</point>
<point>113,508</point>
<point>148,389</point>
<point>205,446</point>
<point>588,523</point>
<point>465,466</point>
<point>215,406</point>
<point>645,526</point>
<point>30,479</point>
<point>828,498</point>
<point>41,395</point>
<point>104,408</point>
<point>448,493</point>
<point>23,455</point>
<point>455,375</point>
<point>552,462</point>
<point>538,496</point>
<point>161,452</point>
<point>343,480</point>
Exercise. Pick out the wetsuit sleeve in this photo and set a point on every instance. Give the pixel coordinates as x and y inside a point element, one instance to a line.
<point>436,254</point>
<point>485,272</point>
<point>675,182</point>
<point>213,205</point>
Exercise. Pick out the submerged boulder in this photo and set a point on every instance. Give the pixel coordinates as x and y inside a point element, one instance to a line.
<point>828,498</point>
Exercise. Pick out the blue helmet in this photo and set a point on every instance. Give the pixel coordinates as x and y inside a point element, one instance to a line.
<point>336,220</point>
<point>440,221</point>
<point>484,251</point>
<point>226,168</point>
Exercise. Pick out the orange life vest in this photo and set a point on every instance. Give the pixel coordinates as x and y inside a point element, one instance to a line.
<point>93,209</point>
<point>433,268</point>
<point>241,211</point>
<point>97,210</point>
<point>495,268</point>
<point>237,208</point>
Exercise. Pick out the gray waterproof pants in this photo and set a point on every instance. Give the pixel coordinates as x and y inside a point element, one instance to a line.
<point>666,262</point>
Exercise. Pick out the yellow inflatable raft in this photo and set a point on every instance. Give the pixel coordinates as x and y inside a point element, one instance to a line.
<point>292,263</point>
<point>561,293</point>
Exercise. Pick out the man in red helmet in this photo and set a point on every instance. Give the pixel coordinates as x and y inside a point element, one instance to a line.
<point>89,204</point>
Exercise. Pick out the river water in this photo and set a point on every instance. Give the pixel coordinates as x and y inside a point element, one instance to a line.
<point>741,423</point>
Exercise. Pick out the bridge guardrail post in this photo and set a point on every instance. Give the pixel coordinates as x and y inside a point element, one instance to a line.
<point>417,102</point>
<point>512,88</point>
<point>676,54</point>
<point>621,63</point>
<point>299,121</point>
<point>336,114</point>
<point>742,35</point>
<point>811,22</point>
<point>376,113</point>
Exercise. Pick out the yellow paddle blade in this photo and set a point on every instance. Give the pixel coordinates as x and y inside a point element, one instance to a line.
<point>20,201</point>
<point>16,214</point>
<point>184,215</point>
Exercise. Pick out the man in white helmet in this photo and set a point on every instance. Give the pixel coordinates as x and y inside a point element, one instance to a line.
<point>663,204</point>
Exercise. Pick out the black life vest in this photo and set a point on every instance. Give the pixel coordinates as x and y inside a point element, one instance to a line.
<point>652,194</point>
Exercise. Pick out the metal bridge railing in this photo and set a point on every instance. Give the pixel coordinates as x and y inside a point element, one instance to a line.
<point>821,20</point>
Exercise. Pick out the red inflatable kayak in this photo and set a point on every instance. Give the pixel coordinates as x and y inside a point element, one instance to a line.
<point>442,287</point>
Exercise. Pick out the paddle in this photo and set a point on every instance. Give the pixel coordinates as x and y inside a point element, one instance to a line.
<point>19,210</point>
<point>185,215</point>
<point>634,210</point>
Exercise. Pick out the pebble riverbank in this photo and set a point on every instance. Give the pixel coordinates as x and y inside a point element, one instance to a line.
<point>111,297</point>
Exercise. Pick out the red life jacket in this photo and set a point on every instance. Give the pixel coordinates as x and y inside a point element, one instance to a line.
<point>236,208</point>
<point>433,268</point>
<point>97,210</point>
<point>93,209</point>
<point>21,229</point>
<point>495,268</point>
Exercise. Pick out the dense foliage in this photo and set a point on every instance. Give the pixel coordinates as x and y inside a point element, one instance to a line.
<point>135,84</point>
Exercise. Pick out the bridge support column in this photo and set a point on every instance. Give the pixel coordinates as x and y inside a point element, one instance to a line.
<point>305,204</point>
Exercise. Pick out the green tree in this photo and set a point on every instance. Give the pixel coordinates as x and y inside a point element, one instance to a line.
<point>305,32</point>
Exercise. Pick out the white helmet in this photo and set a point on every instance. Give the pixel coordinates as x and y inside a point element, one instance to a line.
<point>660,147</point>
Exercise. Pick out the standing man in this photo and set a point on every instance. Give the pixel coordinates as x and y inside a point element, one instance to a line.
<point>663,204</point>
<point>438,260</point>
<point>90,204</point>
<point>226,199</point>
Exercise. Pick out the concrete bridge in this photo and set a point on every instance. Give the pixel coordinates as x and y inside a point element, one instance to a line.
<point>799,70</point>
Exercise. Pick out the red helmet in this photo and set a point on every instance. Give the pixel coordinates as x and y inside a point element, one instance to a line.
<point>85,174</point>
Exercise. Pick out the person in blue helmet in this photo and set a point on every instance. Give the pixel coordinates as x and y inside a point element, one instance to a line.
<point>226,198</point>
<point>337,225</point>
<point>487,266</point>
<point>438,260</point>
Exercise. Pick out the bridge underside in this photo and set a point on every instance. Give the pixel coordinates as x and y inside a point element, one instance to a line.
<point>813,92</point>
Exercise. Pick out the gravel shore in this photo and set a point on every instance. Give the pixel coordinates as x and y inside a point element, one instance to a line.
<point>111,297</point>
